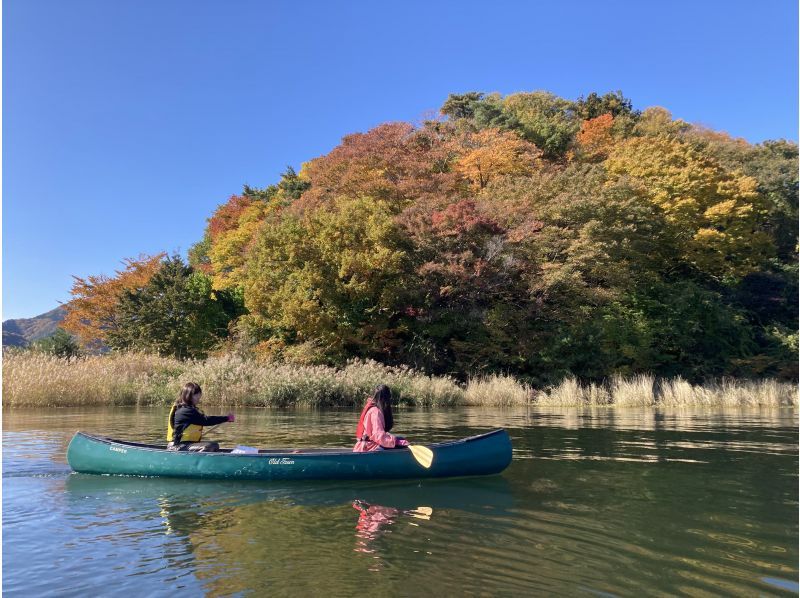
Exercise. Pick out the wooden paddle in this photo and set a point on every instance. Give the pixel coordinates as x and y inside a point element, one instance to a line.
<point>422,454</point>
<point>212,428</point>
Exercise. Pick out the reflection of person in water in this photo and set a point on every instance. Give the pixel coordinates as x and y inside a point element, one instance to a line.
<point>179,522</point>
<point>372,519</point>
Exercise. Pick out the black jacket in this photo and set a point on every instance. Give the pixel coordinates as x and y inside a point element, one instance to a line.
<point>185,416</point>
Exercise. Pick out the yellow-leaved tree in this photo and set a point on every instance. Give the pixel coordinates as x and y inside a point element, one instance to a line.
<point>228,248</point>
<point>717,214</point>
<point>327,283</point>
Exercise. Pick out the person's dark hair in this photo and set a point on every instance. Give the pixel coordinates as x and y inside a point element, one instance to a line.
<point>189,390</point>
<point>382,397</point>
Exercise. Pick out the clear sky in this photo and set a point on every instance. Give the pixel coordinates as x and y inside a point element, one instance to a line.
<point>126,122</point>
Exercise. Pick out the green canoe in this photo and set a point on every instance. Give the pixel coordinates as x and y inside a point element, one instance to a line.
<point>478,455</point>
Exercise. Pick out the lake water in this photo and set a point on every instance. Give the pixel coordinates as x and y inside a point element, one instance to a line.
<point>615,502</point>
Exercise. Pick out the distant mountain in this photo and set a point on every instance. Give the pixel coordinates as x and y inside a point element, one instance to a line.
<point>22,331</point>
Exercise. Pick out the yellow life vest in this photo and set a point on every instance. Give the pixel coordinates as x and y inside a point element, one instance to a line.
<point>192,433</point>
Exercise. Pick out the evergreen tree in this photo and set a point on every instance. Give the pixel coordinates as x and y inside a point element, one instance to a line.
<point>292,185</point>
<point>61,344</point>
<point>176,313</point>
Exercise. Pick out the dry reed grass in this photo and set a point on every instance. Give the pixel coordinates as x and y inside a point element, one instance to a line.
<point>36,379</point>
<point>497,391</point>
<point>646,391</point>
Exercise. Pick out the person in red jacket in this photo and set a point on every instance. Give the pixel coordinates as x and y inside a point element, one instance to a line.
<point>372,433</point>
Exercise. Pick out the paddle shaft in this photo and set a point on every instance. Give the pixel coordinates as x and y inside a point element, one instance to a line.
<point>212,428</point>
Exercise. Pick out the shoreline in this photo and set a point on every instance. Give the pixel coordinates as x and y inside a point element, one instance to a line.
<point>39,380</point>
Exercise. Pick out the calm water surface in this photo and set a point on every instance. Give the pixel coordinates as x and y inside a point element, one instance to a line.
<point>607,502</point>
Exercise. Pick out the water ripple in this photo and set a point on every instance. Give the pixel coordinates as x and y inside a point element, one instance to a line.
<point>603,502</point>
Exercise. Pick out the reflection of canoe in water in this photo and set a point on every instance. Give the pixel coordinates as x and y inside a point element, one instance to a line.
<point>481,495</point>
<point>478,455</point>
<point>227,525</point>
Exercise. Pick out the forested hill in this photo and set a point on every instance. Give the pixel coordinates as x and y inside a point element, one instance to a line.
<point>528,234</point>
<point>22,331</point>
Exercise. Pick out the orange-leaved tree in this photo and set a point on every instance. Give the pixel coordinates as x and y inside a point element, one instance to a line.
<point>90,314</point>
<point>393,162</point>
<point>491,153</point>
<point>595,139</point>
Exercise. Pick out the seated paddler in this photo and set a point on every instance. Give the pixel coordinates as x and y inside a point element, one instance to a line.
<point>372,432</point>
<point>186,421</point>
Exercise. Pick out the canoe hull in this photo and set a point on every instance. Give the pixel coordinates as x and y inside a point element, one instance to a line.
<point>479,455</point>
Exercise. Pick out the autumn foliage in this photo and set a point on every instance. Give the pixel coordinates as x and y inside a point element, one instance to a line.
<point>528,234</point>
<point>91,313</point>
<point>595,138</point>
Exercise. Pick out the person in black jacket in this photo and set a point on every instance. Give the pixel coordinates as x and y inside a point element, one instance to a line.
<point>186,421</point>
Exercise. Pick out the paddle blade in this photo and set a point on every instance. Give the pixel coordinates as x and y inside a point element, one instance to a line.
<point>422,454</point>
<point>421,513</point>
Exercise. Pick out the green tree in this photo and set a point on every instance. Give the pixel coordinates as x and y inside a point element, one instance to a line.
<point>265,194</point>
<point>292,185</point>
<point>461,105</point>
<point>61,344</point>
<point>613,103</point>
<point>540,117</point>
<point>176,313</point>
<point>198,254</point>
<point>544,119</point>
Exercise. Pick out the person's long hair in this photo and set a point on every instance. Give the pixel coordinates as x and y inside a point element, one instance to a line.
<point>185,398</point>
<point>382,397</point>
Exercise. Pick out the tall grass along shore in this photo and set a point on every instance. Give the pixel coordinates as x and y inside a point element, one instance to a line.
<point>34,379</point>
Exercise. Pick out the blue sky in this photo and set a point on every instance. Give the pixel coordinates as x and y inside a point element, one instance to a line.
<point>126,122</point>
